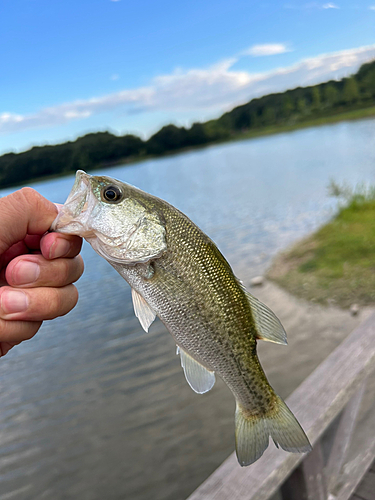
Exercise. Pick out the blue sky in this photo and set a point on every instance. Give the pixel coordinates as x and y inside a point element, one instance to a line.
<point>74,66</point>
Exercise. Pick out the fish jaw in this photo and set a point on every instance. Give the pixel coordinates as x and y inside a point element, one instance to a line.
<point>74,215</point>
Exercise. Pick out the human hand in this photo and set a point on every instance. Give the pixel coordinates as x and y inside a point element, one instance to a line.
<point>36,269</point>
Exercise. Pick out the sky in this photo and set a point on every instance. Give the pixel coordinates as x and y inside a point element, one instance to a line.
<point>131,66</point>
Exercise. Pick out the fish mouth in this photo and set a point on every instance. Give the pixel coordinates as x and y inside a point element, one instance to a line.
<point>74,214</point>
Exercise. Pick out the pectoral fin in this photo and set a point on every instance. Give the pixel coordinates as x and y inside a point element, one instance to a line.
<point>198,377</point>
<point>142,310</point>
<point>267,324</point>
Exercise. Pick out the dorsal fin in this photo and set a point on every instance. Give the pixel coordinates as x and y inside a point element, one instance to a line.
<point>198,377</point>
<point>267,323</point>
<point>142,310</point>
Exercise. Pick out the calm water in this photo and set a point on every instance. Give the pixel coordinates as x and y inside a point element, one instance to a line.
<point>94,408</point>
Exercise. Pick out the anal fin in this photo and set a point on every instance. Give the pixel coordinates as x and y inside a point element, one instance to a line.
<point>198,377</point>
<point>142,310</point>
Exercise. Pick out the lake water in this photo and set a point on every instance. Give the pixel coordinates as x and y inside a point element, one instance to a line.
<point>93,407</point>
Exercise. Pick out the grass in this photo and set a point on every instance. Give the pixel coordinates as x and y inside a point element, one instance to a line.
<point>336,264</point>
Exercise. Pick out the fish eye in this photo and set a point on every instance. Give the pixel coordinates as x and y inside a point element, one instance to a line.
<point>112,194</point>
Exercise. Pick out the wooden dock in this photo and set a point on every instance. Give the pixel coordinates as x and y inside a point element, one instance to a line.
<point>366,488</point>
<point>328,405</point>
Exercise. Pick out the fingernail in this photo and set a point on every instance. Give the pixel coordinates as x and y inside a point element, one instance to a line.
<point>60,248</point>
<point>25,272</point>
<point>13,301</point>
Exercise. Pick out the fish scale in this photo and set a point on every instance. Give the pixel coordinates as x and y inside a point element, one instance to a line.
<point>178,274</point>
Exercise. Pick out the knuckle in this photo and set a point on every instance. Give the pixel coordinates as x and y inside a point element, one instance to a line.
<point>55,301</point>
<point>24,198</point>
<point>27,196</point>
<point>31,329</point>
<point>29,192</point>
<point>65,299</point>
<point>80,267</point>
<point>32,198</point>
<point>73,296</point>
<point>71,270</point>
<point>66,271</point>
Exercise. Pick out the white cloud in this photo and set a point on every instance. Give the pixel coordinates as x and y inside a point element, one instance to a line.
<point>62,113</point>
<point>267,49</point>
<point>372,7</point>
<point>208,90</point>
<point>115,77</point>
<point>330,6</point>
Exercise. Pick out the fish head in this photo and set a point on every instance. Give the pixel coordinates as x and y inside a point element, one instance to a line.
<point>122,223</point>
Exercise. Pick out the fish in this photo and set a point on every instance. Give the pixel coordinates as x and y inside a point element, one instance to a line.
<point>176,272</point>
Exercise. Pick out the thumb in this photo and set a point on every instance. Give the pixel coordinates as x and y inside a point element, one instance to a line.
<point>24,212</point>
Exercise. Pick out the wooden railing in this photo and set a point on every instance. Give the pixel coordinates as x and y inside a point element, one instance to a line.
<point>327,405</point>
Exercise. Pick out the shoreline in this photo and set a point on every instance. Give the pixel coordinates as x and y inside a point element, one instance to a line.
<point>353,115</point>
<point>333,264</point>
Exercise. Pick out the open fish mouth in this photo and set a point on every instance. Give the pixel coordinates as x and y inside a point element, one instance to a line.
<point>75,213</point>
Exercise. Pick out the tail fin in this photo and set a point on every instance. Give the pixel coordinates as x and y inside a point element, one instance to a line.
<point>252,433</point>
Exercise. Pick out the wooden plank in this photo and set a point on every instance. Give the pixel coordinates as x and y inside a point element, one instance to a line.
<point>277,496</point>
<point>357,468</point>
<point>313,473</point>
<point>343,437</point>
<point>366,488</point>
<point>315,403</point>
<point>294,488</point>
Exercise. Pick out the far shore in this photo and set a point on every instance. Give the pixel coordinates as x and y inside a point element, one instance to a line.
<point>357,114</point>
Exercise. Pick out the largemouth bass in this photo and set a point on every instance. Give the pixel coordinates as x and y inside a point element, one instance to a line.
<point>178,274</point>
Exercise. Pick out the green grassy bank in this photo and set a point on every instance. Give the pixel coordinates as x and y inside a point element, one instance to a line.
<point>336,264</point>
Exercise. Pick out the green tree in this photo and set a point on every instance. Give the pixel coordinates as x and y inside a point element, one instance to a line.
<point>301,106</point>
<point>350,93</point>
<point>287,107</point>
<point>331,95</point>
<point>168,138</point>
<point>254,119</point>
<point>366,80</point>
<point>268,115</point>
<point>369,83</point>
<point>315,99</point>
<point>196,135</point>
<point>215,131</point>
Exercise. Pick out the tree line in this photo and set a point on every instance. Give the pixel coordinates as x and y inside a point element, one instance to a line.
<point>103,149</point>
